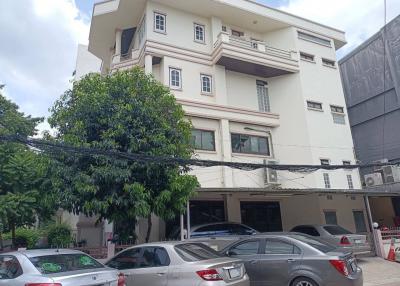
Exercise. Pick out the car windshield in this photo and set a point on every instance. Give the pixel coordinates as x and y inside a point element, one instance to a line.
<point>64,263</point>
<point>321,246</point>
<point>196,252</point>
<point>336,230</point>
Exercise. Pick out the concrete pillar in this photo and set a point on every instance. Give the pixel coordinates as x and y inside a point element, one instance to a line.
<point>148,64</point>
<point>216,28</point>
<point>221,96</point>
<point>233,209</point>
<point>226,152</point>
<point>118,37</point>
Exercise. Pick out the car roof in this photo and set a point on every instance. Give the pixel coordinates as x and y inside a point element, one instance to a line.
<point>44,252</point>
<point>218,223</point>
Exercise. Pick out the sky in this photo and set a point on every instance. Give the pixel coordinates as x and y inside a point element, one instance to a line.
<point>39,42</point>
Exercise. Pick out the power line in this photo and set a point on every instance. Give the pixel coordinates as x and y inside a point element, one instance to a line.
<point>46,146</point>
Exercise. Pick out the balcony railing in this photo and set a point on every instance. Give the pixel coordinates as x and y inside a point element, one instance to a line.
<point>255,45</point>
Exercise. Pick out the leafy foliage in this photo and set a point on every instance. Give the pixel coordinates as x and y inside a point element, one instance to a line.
<point>24,174</point>
<point>25,237</point>
<point>127,112</point>
<point>59,235</point>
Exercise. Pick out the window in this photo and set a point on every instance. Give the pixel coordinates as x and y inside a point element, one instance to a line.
<point>359,221</point>
<point>154,257</point>
<point>314,39</point>
<point>129,259</point>
<point>50,264</point>
<point>280,247</point>
<point>337,109</point>
<point>9,268</point>
<point>237,33</point>
<point>325,162</point>
<point>224,29</point>
<point>327,181</point>
<point>336,230</point>
<point>245,248</point>
<point>249,144</point>
<point>346,163</point>
<point>203,140</point>
<point>175,78</point>
<point>160,22</point>
<point>314,105</point>
<point>310,230</point>
<point>320,245</point>
<point>263,97</point>
<point>328,63</point>
<point>199,33</point>
<point>307,57</point>
<point>206,83</point>
<point>330,217</point>
<point>350,182</point>
<point>191,252</point>
<point>338,114</point>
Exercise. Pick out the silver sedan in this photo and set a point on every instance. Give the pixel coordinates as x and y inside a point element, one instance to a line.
<point>294,260</point>
<point>55,268</point>
<point>178,264</point>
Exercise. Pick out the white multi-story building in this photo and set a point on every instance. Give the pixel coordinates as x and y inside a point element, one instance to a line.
<point>259,85</point>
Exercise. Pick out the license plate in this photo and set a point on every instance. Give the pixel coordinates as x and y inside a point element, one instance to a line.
<point>235,273</point>
<point>358,241</point>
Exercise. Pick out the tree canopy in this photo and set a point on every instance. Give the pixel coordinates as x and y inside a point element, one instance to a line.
<point>24,181</point>
<point>130,112</point>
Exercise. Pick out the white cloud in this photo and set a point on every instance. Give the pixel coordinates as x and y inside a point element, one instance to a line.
<point>39,40</point>
<point>360,19</point>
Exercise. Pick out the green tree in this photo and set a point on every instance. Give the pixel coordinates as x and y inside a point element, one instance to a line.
<point>128,112</point>
<point>23,172</point>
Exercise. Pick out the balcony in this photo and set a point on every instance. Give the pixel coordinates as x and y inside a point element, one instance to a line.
<point>253,57</point>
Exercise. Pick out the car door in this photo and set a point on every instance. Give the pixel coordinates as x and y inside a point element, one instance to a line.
<point>127,262</point>
<point>249,252</point>
<point>278,259</point>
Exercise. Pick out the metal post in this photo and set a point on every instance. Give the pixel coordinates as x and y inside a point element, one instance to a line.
<point>188,219</point>
<point>370,222</point>
<point>182,229</point>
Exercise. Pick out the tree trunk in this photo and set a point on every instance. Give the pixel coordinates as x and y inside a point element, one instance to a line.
<point>12,227</point>
<point>149,226</point>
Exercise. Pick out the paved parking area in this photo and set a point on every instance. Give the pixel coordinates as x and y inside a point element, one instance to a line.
<point>379,272</point>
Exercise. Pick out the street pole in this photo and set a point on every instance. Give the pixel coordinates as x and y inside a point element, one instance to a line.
<point>188,219</point>
<point>182,229</point>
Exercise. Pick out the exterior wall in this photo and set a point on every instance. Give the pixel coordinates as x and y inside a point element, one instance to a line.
<point>86,63</point>
<point>372,99</point>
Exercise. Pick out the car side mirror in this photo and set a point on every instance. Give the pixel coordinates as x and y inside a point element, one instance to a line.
<point>230,253</point>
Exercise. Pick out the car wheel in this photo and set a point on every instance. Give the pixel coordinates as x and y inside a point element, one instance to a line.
<point>303,281</point>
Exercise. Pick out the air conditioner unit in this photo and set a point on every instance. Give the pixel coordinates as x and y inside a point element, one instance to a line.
<point>270,175</point>
<point>373,179</point>
<point>391,174</point>
<point>382,161</point>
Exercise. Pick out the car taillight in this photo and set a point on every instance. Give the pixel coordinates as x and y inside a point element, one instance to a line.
<point>344,241</point>
<point>43,284</point>
<point>340,266</point>
<point>121,279</point>
<point>209,275</point>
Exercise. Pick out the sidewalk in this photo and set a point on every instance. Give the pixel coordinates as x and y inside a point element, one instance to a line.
<point>379,272</point>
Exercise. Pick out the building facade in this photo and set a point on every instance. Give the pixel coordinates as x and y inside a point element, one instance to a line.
<point>259,85</point>
<point>371,82</point>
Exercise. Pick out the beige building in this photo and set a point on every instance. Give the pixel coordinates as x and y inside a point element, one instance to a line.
<point>259,85</point>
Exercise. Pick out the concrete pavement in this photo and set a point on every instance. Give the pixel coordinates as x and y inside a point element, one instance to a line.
<point>379,272</point>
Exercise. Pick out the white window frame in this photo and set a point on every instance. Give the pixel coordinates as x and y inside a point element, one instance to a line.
<point>264,103</point>
<point>171,85</point>
<point>203,27</point>
<point>324,159</point>
<point>327,181</point>
<point>164,16</point>
<point>336,115</point>
<point>203,91</point>
<point>350,182</point>
<point>304,57</point>
<point>328,63</point>
<point>316,103</point>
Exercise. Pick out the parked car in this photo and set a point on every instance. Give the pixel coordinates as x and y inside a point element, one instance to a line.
<point>215,229</point>
<point>179,264</point>
<point>339,236</point>
<point>55,268</point>
<point>294,260</point>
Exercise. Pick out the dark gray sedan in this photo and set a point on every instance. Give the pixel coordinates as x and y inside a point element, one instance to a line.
<point>294,260</point>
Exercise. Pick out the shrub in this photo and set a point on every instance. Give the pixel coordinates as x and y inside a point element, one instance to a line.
<point>24,237</point>
<point>59,235</point>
